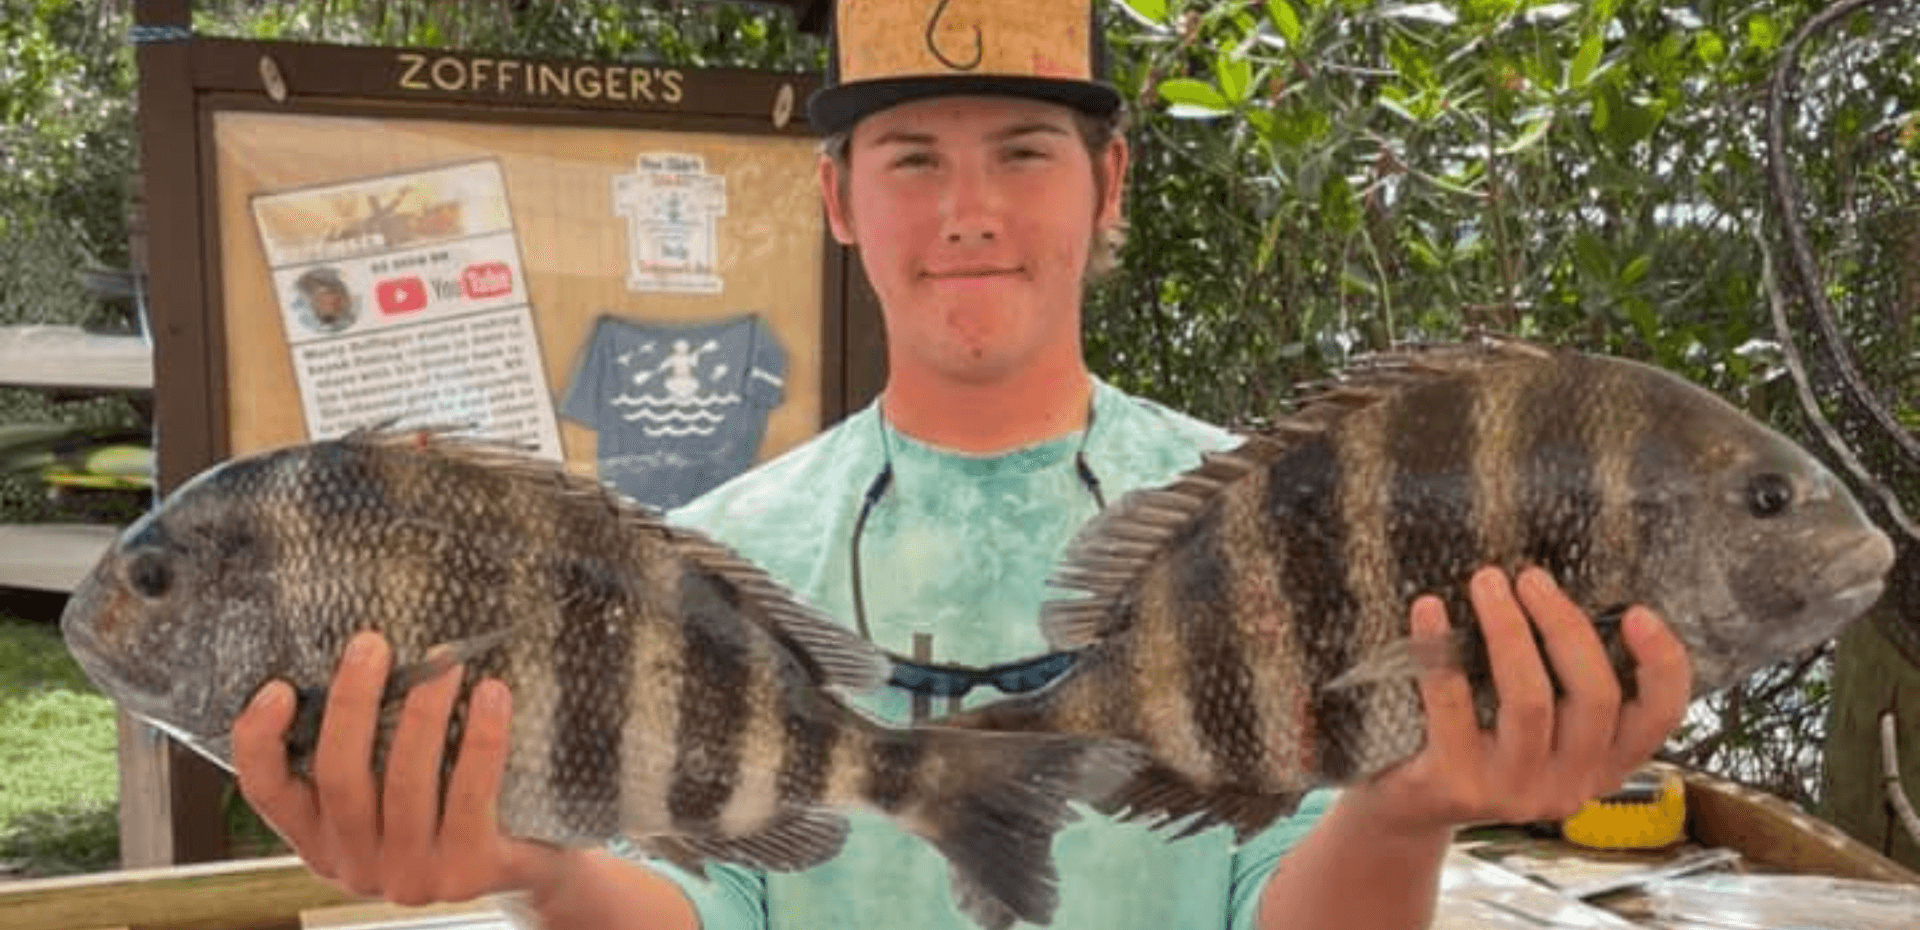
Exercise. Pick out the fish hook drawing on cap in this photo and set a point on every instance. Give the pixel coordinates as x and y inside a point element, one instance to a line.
<point>933,45</point>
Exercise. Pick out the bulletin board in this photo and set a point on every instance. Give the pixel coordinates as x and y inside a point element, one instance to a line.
<point>622,267</point>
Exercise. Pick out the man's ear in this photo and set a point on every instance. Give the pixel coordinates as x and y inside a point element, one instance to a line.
<point>832,193</point>
<point>1113,163</point>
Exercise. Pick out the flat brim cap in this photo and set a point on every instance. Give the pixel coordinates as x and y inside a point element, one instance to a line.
<point>888,52</point>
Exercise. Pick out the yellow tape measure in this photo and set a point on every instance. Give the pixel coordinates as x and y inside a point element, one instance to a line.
<point>1648,812</point>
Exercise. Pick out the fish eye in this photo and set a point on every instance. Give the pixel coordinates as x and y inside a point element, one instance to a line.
<point>150,575</point>
<point>1769,495</point>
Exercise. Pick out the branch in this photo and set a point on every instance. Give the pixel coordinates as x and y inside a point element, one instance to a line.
<point>1896,793</point>
<point>1802,266</point>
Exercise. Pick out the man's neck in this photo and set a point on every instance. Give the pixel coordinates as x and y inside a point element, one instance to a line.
<point>1033,405</point>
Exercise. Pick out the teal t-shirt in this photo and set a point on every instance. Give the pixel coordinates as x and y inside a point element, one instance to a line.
<point>959,548</point>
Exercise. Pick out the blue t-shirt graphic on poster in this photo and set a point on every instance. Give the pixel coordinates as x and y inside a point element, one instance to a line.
<point>679,407</point>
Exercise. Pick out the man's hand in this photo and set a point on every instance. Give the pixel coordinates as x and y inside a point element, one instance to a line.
<point>388,839</point>
<point>1546,756</point>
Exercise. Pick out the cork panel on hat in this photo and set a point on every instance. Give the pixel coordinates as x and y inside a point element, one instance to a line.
<point>880,39</point>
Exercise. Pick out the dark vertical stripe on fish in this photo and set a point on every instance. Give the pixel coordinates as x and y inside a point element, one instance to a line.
<point>713,700</point>
<point>810,734</point>
<point>893,769</point>
<point>1560,502</point>
<point>591,675</point>
<point>1302,496</point>
<point>1220,687</point>
<point>1431,500</point>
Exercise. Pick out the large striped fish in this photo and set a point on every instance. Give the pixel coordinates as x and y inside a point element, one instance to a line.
<point>664,690</point>
<point>1247,624</point>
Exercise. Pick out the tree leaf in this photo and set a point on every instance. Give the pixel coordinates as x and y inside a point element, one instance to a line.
<point>1285,21</point>
<point>1636,270</point>
<point>1150,10</point>
<point>1235,74</point>
<point>1580,70</point>
<point>1194,93</point>
<point>1534,132</point>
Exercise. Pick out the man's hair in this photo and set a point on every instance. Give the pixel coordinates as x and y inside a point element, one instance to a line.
<point>1096,133</point>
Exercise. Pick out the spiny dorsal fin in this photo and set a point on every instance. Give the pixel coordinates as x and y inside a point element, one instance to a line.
<point>844,659</point>
<point>1114,547</point>
<point>1368,378</point>
<point>837,656</point>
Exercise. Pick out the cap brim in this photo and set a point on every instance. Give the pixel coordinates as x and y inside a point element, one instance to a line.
<point>836,109</point>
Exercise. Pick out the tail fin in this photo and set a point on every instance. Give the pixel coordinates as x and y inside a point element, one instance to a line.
<point>992,802</point>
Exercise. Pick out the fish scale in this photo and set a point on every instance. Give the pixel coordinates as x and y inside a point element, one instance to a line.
<point>665,691</point>
<point>1247,623</point>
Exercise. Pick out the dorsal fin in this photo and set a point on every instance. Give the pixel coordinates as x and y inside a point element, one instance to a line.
<point>1109,553</point>
<point>1120,541</point>
<point>843,659</point>
<point>834,654</point>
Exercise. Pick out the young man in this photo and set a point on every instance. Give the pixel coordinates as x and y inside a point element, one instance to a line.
<point>977,176</point>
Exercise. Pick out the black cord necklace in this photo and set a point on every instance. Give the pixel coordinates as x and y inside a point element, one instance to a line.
<point>952,680</point>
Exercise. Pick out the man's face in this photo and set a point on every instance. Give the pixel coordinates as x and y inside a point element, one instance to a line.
<point>329,302</point>
<point>974,217</point>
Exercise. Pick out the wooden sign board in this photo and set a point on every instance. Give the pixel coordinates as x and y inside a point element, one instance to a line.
<point>623,267</point>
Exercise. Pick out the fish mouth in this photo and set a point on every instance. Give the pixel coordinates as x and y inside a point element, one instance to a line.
<point>1857,576</point>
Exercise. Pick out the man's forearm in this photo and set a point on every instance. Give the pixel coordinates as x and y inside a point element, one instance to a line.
<point>1348,874</point>
<point>601,891</point>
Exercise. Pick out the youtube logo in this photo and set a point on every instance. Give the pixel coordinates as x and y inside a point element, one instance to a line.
<point>487,279</point>
<point>400,295</point>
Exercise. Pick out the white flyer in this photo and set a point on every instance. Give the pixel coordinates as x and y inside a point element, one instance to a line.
<point>673,209</point>
<point>404,300</point>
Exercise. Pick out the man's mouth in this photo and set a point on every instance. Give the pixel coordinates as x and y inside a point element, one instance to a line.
<point>968,273</point>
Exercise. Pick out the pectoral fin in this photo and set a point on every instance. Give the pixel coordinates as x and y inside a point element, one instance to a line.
<point>1407,658</point>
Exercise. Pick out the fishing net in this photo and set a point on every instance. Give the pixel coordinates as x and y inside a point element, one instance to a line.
<point>1843,149</point>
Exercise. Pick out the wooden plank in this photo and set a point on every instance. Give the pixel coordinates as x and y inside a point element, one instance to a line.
<point>170,798</point>
<point>253,894</point>
<point>67,356</point>
<point>1778,836</point>
<point>51,556</point>
<point>481,914</point>
<point>425,76</point>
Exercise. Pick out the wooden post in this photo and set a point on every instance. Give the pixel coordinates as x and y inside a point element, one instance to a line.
<point>1870,676</point>
<point>170,798</point>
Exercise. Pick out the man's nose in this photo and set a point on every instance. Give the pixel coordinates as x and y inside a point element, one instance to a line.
<point>971,209</point>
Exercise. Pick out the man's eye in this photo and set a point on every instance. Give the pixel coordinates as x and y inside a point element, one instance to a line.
<point>913,160</point>
<point>1026,155</point>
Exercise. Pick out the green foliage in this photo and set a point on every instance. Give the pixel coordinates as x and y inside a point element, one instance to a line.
<point>1318,178</point>
<point>1362,173</point>
<point>691,33</point>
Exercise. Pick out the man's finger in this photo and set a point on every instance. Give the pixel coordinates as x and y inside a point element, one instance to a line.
<point>410,799</point>
<point>282,799</point>
<point>1590,706</point>
<point>1524,728</point>
<point>1664,683</point>
<point>343,767</point>
<point>472,814</point>
<point>1453,732</point>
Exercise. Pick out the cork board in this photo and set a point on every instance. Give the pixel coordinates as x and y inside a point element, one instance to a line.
<point>565,222</point>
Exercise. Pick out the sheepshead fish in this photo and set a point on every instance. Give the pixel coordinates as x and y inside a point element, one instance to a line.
<point>664,690</point>
<point>1247,624</point>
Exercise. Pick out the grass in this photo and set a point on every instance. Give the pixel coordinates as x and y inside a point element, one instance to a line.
<point>59,779</point>
<point>59,770</point>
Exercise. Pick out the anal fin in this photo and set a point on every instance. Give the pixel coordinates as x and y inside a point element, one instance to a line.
<point>1169,799</point>
<point>799,840</point>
